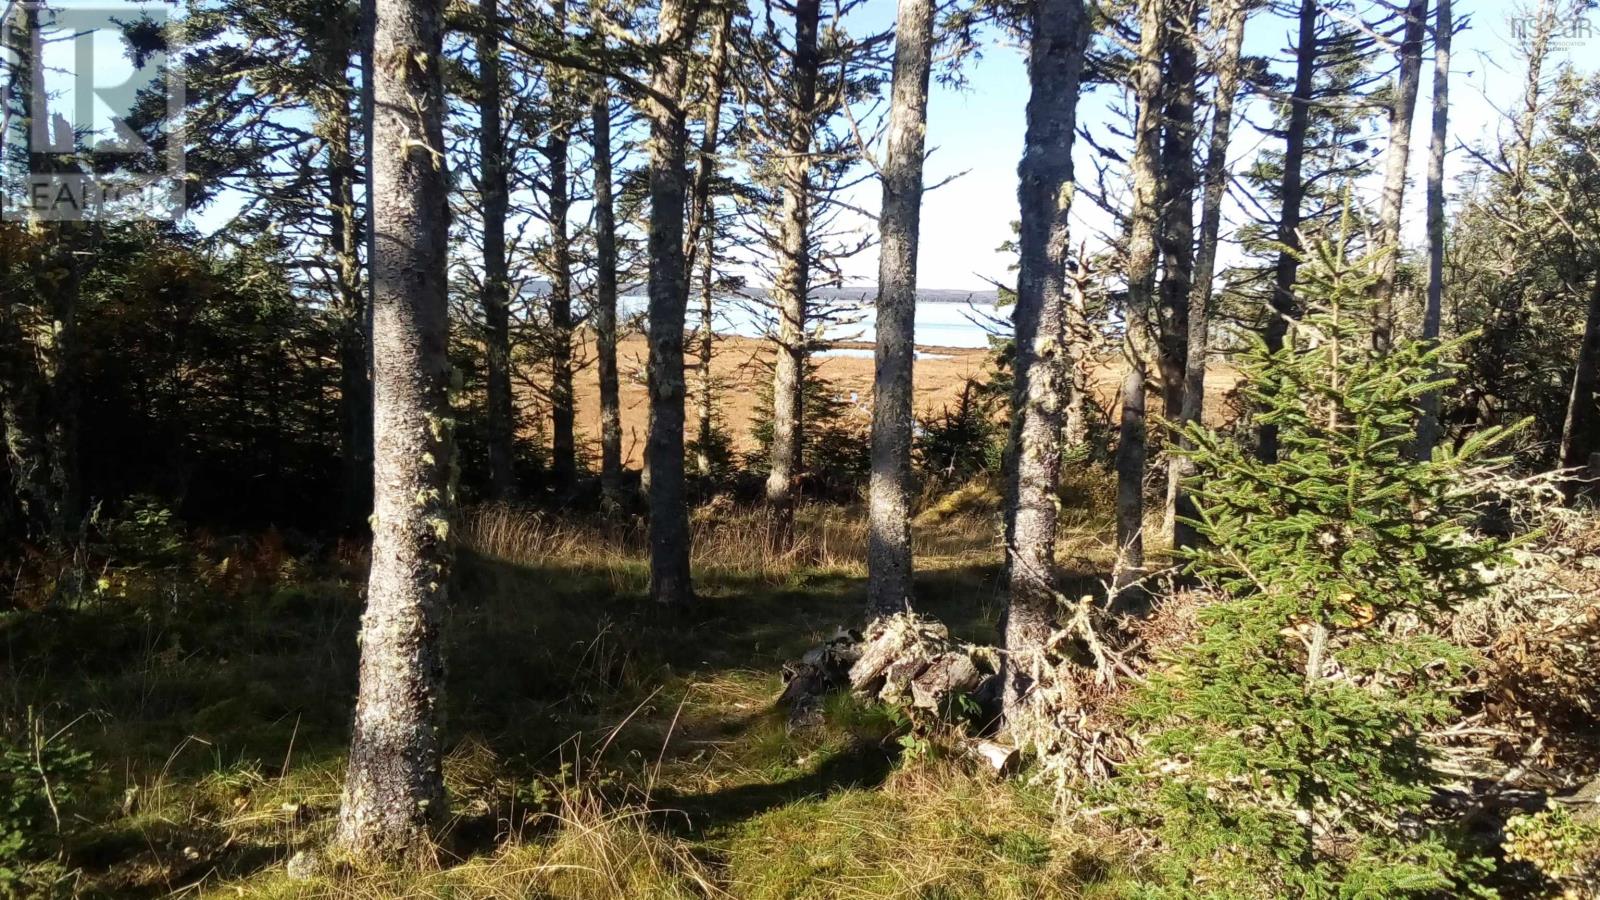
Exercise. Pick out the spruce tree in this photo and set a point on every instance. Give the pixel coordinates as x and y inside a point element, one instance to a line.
<point>1284,750</point>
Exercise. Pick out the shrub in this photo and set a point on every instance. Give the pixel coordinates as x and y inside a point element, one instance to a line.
<point>960,442</point>
<point>1284,751</point>
<point>836,444</point>
<point>39,775</point>
<point>722,463</point>
<point>146,533</point>
<point>1564,850</point>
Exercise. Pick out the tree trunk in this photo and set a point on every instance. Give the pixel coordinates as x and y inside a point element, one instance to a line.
<point>1577,432</point>
<point>605,292</point>
<point>1507,319</point>
<point>394,792</point>
<point>889,559</point>
<point>708,343</point>
<point>794,272</point>
<point>22,396</point>
<point>1402,109</point>
<point>669,517</point>
<point>355,389</point>
<point>1543,27</point>
<point>38,389</point>
<point>55,338</point>
<point>1080,344</point>
<point>700,202</point>
<point>703,230</point>
<point>1060,31</point>
<point>1176,202</point>
<point>495,190</point>
<point>66,379</point>
<point>21,393</point>
<point>19,510</point>
<point>349,302</point>
<point>1282,301</point>
<point>1231,18</point>
<point>1142,257</point>
<point>12,529</point>
<point>563,415</point>
<point>62,374</point>
<point>1428,425</point>
<point>1130,462</point>
<point>369,36</point>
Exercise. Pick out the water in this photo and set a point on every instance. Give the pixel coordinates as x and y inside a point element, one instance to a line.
<point>939,324</point>
<point>866,353</point>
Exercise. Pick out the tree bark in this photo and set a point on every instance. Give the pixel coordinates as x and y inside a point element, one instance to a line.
<point>669,516</point>
<point>1402,108</point>
<point>889,561</point>
<point>368,12</point>
<point>1282,302</point>
<point>605,292</point>
<point>563,412</point>
<point>1060,31</point>
<point>1177,199</point>
<point>394,792</point>
<point>1428,425</point>
<point>794,272</point>
<point>1142,257</point>
<point>1577,432</point>
<point>495,190</point>
<point>1231,19</point>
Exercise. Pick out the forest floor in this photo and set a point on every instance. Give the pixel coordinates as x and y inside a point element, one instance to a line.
<point>597,747</point>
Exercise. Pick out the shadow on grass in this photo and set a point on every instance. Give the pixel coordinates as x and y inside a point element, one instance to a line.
<point>862,765</point>
<point>205,698</point>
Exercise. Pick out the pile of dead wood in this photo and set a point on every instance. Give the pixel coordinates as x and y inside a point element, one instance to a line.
<point>1069,719</point>
<point>904,660</point>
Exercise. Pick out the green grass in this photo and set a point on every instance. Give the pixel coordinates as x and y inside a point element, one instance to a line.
<point>934,830</point>
<point>597,746</point>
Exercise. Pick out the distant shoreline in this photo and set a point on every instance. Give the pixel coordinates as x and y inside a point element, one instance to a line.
<point>859,292</point>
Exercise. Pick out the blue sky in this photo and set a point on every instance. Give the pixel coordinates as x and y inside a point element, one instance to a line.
<point>979,130</point>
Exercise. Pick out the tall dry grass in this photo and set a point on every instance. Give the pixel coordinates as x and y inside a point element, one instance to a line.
<point>593,850</point>
<point>742,542</point>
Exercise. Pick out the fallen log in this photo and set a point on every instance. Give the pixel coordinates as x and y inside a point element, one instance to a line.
<point>889,644</point>
<point>950,674</point>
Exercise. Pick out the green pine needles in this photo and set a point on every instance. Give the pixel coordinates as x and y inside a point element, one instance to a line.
<point>1284,752</point>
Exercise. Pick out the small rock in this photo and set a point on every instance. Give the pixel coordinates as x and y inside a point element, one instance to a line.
<point>304,865</point>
